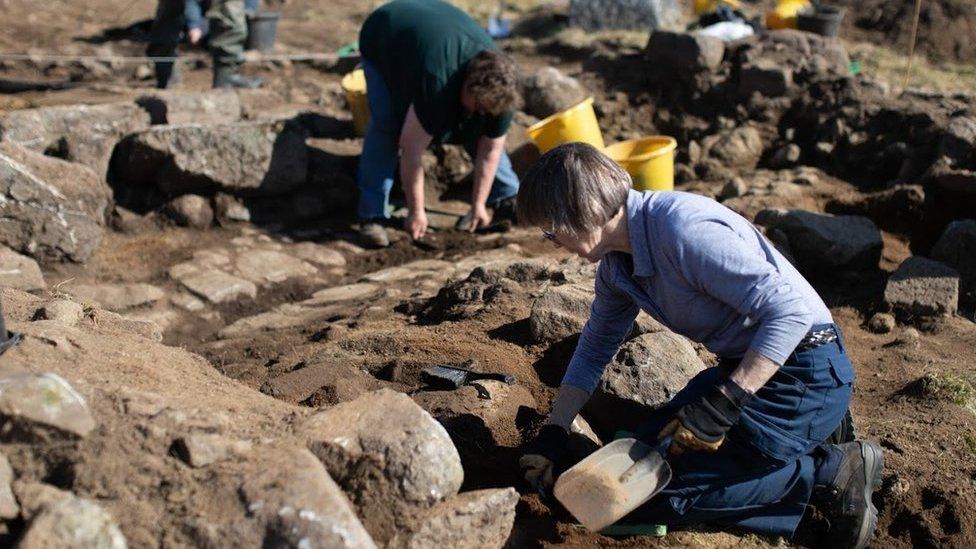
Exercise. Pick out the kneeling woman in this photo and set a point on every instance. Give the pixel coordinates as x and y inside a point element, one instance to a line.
<point>751,431</point>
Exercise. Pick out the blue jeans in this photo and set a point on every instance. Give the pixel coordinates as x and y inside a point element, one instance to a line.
<point>377,165</point>
<point>761,478</point>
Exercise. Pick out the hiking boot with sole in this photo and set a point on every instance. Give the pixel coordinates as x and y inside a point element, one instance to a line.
<point>846,500</point>
<point>373,235</point>
<point>235,80</point>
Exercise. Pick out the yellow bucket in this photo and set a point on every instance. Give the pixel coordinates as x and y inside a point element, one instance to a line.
<point>648,160</point>
<point>784,15</point>
<point>354,84</point>
<point>577,123</point>
<point>708,6</point>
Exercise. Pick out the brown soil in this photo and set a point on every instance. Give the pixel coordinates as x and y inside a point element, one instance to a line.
<point>930,479</point>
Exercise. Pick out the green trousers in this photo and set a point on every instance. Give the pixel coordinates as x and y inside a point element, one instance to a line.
<point>228,31</point>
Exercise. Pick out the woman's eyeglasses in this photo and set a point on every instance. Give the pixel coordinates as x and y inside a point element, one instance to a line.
<point>551,237</point>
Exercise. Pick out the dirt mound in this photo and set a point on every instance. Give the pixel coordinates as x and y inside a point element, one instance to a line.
<point>945,32</point>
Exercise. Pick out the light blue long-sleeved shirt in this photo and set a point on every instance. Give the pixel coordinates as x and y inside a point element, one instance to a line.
<point>704,272</point>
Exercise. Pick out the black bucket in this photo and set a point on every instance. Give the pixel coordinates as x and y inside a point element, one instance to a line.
<point>262,30</point>
<point>823,20</point>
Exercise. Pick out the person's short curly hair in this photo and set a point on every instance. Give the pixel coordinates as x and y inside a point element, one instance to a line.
<point>492,79</point>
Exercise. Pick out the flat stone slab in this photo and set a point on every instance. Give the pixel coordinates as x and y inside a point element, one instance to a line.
<point>264,267</point>
<point>923,287</point>
<point>219,287</point>
<point>348,292</point>
<point>412,270</point>
<point>320,255</point>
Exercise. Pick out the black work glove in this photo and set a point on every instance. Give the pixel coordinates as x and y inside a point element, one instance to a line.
<point>703,424</point>
<point>544,457</point>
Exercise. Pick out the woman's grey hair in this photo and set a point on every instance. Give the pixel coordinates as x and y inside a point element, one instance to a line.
<point>573,188</point>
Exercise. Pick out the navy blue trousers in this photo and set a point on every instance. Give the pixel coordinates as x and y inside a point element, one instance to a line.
<point>761,478</point>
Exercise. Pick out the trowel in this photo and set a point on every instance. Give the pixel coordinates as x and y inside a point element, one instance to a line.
<point>613,481</point>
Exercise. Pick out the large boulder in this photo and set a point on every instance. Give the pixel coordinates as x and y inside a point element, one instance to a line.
<point>737,148</point>
<point>957,249</point>
<point>389,455</point>
<point>825,244</point>
<point>19,271</point>
<point>561,311</point>
<point>548,91</point>
<point>52,209</point>
<point>477,520</point>
<point>42,405</point>
<point>79,133</point>
<point>73,522</point>
<point>647,371</point>
<point>291,494</point>
<point>248,158</point>
<point>922,287</point>
<point>684,52</point>
<point>595,15</point>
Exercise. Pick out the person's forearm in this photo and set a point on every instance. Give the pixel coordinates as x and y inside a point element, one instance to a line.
<point>753,372</point>
<point>569,401</point>
<point>485,167</point>
<point>412,176</point>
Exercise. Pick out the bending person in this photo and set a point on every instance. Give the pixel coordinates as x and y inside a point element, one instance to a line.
<point>750,431</point>
<point>433,76</point>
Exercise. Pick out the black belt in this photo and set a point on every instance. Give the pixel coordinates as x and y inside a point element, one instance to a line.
<point>817,338</point>
<point>813,339</point>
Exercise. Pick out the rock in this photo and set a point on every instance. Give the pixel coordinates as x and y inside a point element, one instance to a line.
<point>187,302</point>
<point>175,107</point>
<point>826,244</point>
<point>52,209</point>
<point>230,208</point>
<point>203,449</point>
<point>114,322</point>
<point>219,287</point>
<point>881,323</point>
<point>388,454</point>
<point>252,158</point>
<point>684,52</point>
<point>734,188</point>
<point>190,210</point>
<point>737,148</point>
<point>923,287</point>
<point>320,255</point>
<point>785,157</point>
<point>265,267</point>
<point>19,271</point>
<point>349,292</point>
<point>299,504</point>
<point>766,78</point>
<point>595,15</point>
<point>480,519</point>
<point>957,249</point>
<point>646,372</point>
<point>548,91</point>
<point>34,497</point>
<point>8,505</point>
<point>327,383</point>
<point>37,403</point>
<point>86,134</point>
<point>410,271</point>
<point>62,311</point>
<point>117,297</point>
<point>560,312</point>
<point>73,522</point>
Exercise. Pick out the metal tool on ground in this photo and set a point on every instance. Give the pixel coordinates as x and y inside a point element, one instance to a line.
<point>7,339</point>
<point>454,377</point>
<point>614,481</point>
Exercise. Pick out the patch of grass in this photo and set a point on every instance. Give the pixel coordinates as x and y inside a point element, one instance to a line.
<point>957,389</point>
<point>889,65</point>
